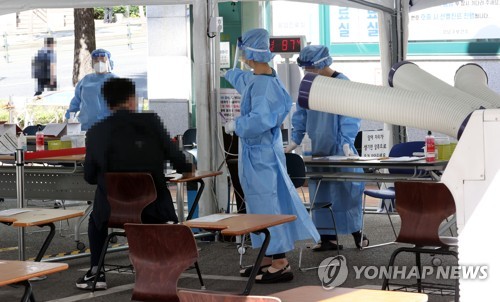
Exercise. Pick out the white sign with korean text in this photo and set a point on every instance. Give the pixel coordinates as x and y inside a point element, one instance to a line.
<point>462,20</point>
<point>229,103</point>
<point>375,143</point>
<point>225,55</point>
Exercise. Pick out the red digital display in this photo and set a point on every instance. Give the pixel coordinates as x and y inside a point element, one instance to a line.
<point>285,45</point>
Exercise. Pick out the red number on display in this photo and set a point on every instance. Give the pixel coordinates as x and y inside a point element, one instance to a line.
<point>284,45</point>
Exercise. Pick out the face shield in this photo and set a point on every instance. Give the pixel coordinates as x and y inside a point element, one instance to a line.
<point>100,62</point>
<point>254,54</point>
<point>237,52</point>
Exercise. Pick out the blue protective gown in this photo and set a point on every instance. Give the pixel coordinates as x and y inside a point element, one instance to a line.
<point>261,162</point>
<point>328,133</point>
<point>89,101</point>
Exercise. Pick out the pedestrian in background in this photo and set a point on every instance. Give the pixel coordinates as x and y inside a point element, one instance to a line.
<point>44,67</point>
<point>108,15</point>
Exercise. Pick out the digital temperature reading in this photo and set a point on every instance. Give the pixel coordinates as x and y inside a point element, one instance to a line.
<point>285,44</point>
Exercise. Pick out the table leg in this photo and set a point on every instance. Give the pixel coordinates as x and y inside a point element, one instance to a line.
<point>180,201</point>
<point>47,241</point>
<point>196,199</point>
<point>256,266</point>
<point>28,291</point>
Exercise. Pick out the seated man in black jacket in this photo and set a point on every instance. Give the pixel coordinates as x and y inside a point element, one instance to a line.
<point>126,141</point>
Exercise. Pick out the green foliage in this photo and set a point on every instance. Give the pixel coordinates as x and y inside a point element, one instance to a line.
<point>35,114</point>
<point>4,113</point>
<point>122,9</point>
<point>99,13</point>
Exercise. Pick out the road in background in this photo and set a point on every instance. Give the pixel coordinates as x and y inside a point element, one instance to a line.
<point>129,56</point>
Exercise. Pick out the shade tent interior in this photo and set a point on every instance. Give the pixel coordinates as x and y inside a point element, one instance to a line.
<point>393,40</point>
<point>393,29</point>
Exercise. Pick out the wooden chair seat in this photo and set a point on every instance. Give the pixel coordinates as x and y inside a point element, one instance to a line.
<point>128,194</point>
<point>159,253</point>
<point>206,296</point>
<point>422,207</point>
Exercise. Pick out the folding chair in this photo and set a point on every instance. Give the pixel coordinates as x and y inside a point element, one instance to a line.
<point>398,150</point>
<point>297,171</point>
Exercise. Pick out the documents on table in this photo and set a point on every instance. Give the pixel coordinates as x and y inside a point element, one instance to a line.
<point>55,130</point>
<point>12,212</point>
<point>214,217</point>
<point>402,159</point>
<point>340,157</point>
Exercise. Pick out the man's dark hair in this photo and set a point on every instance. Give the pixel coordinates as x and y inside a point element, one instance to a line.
<point>117,91</point>
<point>49,41</point>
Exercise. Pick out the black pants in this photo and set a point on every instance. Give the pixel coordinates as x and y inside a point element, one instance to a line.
<point>97,239</point>
<point>42,84</point>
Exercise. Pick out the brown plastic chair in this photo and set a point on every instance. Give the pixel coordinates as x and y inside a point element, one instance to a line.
<point>423,207</point>
<point>128,194</point>
<point>159,253</point>
<point>200,296</point>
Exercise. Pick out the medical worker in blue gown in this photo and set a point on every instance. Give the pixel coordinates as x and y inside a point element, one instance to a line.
<point>261,162</point>
<point>330,134</point>
<point>88,99</point>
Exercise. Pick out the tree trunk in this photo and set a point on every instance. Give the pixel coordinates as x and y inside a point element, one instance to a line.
<point>84,42</point>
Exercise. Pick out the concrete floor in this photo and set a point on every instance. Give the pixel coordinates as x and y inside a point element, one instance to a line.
<point>219,263</point>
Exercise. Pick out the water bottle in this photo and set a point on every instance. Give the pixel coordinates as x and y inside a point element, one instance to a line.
<point>39,140</point>
<point>306,146</point>
<point>430,148</point>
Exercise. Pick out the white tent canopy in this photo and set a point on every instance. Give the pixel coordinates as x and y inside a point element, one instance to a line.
<point>9,6</point>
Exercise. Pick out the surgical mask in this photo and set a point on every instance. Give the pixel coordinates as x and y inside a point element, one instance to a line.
<point>100,67</point>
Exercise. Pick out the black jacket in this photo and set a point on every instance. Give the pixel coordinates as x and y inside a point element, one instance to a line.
<point>132,142</point>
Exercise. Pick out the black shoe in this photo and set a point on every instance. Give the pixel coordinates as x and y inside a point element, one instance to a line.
<point>326,245</point>
<point>283,275</point>
<point>247,271</point>
<point>357,240</point>
<point>87,281</point>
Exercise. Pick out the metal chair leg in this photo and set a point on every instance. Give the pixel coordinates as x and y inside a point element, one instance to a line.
<point>362,227</point>
<point>199,275</point>
<point>329,207</point>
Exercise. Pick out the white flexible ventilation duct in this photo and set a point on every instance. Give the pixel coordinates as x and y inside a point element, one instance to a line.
<point>472,79</point>
<point>378,103</point>
<point>407,75</point>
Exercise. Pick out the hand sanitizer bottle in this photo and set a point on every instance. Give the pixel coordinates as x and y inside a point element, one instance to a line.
<point>39,140</point>
<point>22,142</point>
<point>306,146</point>
<point>430,148</point>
